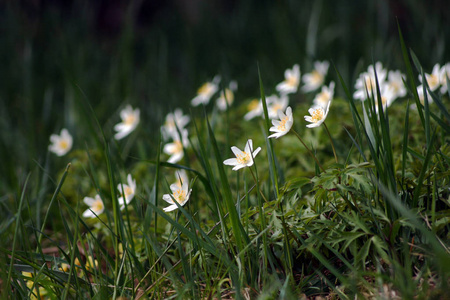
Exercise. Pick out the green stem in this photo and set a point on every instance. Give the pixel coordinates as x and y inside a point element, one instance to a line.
<point>332,144</point>
<point>309,151</point>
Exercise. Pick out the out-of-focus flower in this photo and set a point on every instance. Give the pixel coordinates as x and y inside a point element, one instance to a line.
<point>175,149</point>
<point>316,78</point>
<point>130,120</point>
<point>282,126</point>
<point>275,103</point>
<point>96,206</point>
<point>174,120</point>
<point>180,193</point>
<point>61,144</point>
<point>444,74</point>
<point>318,115</point>
<point>396,85</point>
<point>291,81</point>
<point>255,109</point>
<point>366,80</point>
<point>325,95</point>
<point>227,96</point>
<point>38,290</point>
<point>388,95</point>
<point>433,79</point>
<point>128,191</point>
<point>243,158</point>
<point>206,91</point>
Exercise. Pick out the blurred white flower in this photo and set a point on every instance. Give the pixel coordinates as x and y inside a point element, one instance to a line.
<point>174,120</point>
<point>325,95</point>
<point>175,149</point>
<point>128,191</point>
<point>255,109</point>
<point>366,80</point>
<point>316,78</point>
<point>291,81</point>
<point>243,158</point>
<point>318,115</point>
<point>228,96</point>
<point>206,91</point>
<point>443,75</point>
<point>130,120</point>
<point>395,84</point>
<point>388,95</point>
<point>422,97</point>
<point>61,144</point>
<point>180,193</point>
<point>275,103</point>
<point>96,206</point>
<point>282,126</point>
<point>433,79</point>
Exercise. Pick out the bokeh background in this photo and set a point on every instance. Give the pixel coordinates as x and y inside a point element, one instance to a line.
<point>155,54</point>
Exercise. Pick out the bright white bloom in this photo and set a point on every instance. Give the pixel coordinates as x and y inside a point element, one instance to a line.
<point>228,96</point>
<point>444,74</point>
<point>180,193</point>
<point>291,81</point>
<point>366,80</point>
<point>96,206</point>
<point>255,109</point>
<point>325,95</point>
<point>318,115</point>
<point>243,158</point>
<point>61,144</point>
<point>422,97</point>
<point>206,91</point>
<point>275,103</point>
<point>315,79</point>
<point>282,126</point>
<point>395,84</point>
<point>175,149</point>
<point>433,79</point>
<point>130,120</point>
<point>128,191</point>
<point>174,120</point>
<point>388,95</point>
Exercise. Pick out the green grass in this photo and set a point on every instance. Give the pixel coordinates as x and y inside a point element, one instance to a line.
<point>371,221</point>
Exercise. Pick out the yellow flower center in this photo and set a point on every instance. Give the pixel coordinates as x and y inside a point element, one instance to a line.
<point>63,144</point>
<point>205,89</point>
<point>129,119</point>
<point>323,97</point>
<point>317,115</point>
<point>282,126</point>
<point>243,158</point>
<point>178,146</point>
<point>316,77</point>
<point>170,124</point>
<point>292,81</point>
<point>128,191</point>
<point>433,81</point>
<point>276,107</point>
<point>369,84</point>
<point>253,105</point>
<point>97,205</point>
<point>179,195</point>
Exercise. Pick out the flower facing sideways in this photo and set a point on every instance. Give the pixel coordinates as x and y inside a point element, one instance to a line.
<point>325,95</point>
<point>173,121</point>
<point>226,98</point>
<point>316,78</point>
<point>243,158</point>
<point>61,144</point>
<point>282,126</point>
<point>175,149</point>
<point>318,115</point>
<point>130,120</point>
<point>96,206</point>
<point>291,81</point>
<point>180,193</point>
<point>206,91</point>
<point>128,191</point>
<point>275,103</point>
<point>433,79</point>
<point>255,109</point>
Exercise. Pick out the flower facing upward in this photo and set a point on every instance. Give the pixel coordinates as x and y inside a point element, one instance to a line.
<point>318,115</point>
<point>282,126</point>
<point>243,158</point>
<point>291,81</point>
<point>95,206</point>
<point>433,79</point>
<point>173,121</point>
<point>175,149</point>
<point>61,144</point>
<point>180,193</point>
<point>128,191</point>
<point>316,78</point>
<point>325,95</point>
<point>206,91</point>
<point>130,120</point>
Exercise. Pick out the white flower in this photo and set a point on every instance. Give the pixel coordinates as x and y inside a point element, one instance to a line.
<point>174,120</point>
<point>243,158</point>
<point>128,190</point>
<point>316,78</point>
<point>282,126</point>
<point>228,96</point>
<point>395,83</point>
<point>130,120</point>
<point>433,79</point>
<point>444,74</point>
<point>422,97</point>
<point>325,95</point>
<point>206,91</point>
<point>180,193</point>
<point>96,206</point>
<point>291,81</point>
<point>388,95</point>
<point>175,149</point>
<point>255,109</point>
<point>318,115</point>
<point>275,103</point>
<point>61,144</point>
<point>366,80</point>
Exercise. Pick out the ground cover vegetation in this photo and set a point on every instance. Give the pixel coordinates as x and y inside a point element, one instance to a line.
<point>176,157</point>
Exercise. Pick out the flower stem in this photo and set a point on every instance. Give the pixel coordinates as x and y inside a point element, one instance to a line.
<point>256,182</point>
<point>309,151</point>
<point>332,144</point>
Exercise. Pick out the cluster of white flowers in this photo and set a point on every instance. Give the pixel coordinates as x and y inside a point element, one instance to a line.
<point>437,78</point>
